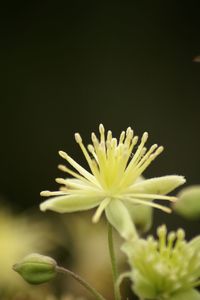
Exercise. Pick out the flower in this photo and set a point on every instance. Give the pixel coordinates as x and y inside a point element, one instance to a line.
<point>167,268</point>
<point>112,180</point>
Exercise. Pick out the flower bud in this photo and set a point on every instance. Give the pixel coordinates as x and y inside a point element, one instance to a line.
<point>36,268</point>
<point>188,204</point>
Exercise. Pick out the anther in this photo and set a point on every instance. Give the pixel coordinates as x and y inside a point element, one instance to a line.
<point>101,129</point>
<point>90,148</point>
<point>145,137</point>
<point>63,154</point>
<point>60,180</point>
<point>122,136</point>
<point>78,138</point>
<point>45,193</point>
<point>162,231</point>
<point>94,138</point>
<point>109,135</point>
<point>180,234</point>
<point>62,168</point>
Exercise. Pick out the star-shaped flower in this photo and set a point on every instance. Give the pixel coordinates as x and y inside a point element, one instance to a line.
<point>115,167</point>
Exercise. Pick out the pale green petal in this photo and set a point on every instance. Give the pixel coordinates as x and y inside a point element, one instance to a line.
<point>159,185</point>
<point>118,215</point>
<point>70,203</point>
<point>141,216</point>
<point>188,204</point>
<point>187,295</point>
<point>195,243</point>
<point>143,287</point>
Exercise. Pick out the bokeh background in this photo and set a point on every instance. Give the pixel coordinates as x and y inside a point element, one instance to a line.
<point>67,66</point>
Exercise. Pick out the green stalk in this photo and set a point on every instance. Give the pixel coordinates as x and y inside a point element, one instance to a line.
<point>84,283</point>
<point>113,263</point>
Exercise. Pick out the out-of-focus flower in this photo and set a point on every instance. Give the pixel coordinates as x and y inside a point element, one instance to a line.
<point>33,295</point>
<point>167,268</point>
<point>19,235</point>
<point>188,204</point>
<point>112,180</point>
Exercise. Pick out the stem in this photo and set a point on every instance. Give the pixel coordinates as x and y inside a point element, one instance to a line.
<point>113,263</point>
<point>84,283</point>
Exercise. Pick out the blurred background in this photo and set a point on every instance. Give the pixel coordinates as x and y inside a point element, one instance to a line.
<point>67,66</point>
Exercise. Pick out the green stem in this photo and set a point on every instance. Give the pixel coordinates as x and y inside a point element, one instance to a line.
<point>113,263</point>
<point>92,290</point>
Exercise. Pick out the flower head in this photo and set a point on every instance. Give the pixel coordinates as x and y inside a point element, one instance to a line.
<point>112,180</point>
<point>164,268</point>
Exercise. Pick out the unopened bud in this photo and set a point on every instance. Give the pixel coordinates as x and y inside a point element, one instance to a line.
<point>36,268</point>
<point>188,204</point>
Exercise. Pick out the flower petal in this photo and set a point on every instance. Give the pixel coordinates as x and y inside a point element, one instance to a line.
<point>71,203</point>
<point>118,215</point>
<point>141,216</point>
<point>159,185</point>
<point>188,294</point>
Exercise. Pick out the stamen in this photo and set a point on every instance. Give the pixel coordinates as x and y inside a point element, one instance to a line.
<point>80,169</point>
<point>61,181</point>
<point>129,136</point>
<point>147,155</point>
<point>78,138</point>
<point>161,232</point>
<point>49,193</point>
<point>152,204</point>
<point>92,151</point>
<point>109,135</point>
<point>155,196</point>
<point>148,162</point>
<point>97,215</point>
<point>138,152</point>
<point>122,136</point>
<point>102,133</point>
<point>74,174</point>
<point>94,139</point>
<point>87,156</point>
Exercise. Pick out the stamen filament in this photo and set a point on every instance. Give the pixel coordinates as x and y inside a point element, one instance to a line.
<point>97,215</point>
<point>148,203</point>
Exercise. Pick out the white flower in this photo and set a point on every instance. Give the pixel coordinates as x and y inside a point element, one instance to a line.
<point>112,180</point>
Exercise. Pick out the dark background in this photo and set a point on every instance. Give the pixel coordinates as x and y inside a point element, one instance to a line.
<point>67,66</point>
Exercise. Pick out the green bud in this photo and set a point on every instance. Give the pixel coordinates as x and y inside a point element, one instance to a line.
<point>36,268</point>
<point>188,204</point>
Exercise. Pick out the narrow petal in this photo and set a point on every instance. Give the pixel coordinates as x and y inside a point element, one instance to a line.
<point>118,215</point>
<point>70,203</point>
<point>159,185</point>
